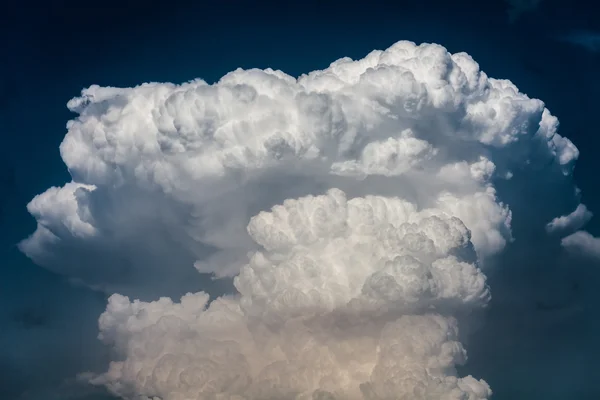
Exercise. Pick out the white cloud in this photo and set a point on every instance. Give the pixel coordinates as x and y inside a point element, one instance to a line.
<point>583,243</point>
<point>386,179</point>
<point>327,263</point>
<point>393,156</point>
<point>572,222</point>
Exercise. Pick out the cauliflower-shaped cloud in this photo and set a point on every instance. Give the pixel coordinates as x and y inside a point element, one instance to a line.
<point>326,263</point>
<point>356,208</point>
<point>325,252</point>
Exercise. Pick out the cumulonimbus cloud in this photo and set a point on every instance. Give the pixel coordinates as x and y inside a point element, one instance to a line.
<point>356,208</point>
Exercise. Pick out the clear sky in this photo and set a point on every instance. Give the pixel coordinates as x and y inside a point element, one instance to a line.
<point>529,347</point>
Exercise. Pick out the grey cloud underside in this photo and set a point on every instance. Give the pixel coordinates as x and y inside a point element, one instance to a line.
<point>356,209</point>
<point>583,243</point>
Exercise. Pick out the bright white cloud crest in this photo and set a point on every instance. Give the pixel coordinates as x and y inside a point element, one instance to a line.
<point>355,207</point>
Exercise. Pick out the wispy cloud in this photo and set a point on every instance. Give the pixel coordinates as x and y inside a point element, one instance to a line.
<point>588,40</point>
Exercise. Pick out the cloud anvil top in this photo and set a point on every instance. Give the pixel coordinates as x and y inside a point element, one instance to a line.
<point>356,208</point>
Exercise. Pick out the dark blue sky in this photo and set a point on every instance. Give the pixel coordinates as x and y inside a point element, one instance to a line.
<point>51,50</point>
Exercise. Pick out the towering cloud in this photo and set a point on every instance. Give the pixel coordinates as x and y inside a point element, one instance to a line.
<point>356,209</point>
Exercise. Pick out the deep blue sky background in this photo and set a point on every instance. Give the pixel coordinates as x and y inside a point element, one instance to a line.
<point>49,51</point>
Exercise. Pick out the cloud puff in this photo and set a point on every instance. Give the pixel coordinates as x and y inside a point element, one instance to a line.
<point>583,243</point>
<point>571,222</point>
<point>355,208</point>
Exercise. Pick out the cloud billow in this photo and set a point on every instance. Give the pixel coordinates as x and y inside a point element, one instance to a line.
<point>356,209</point>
